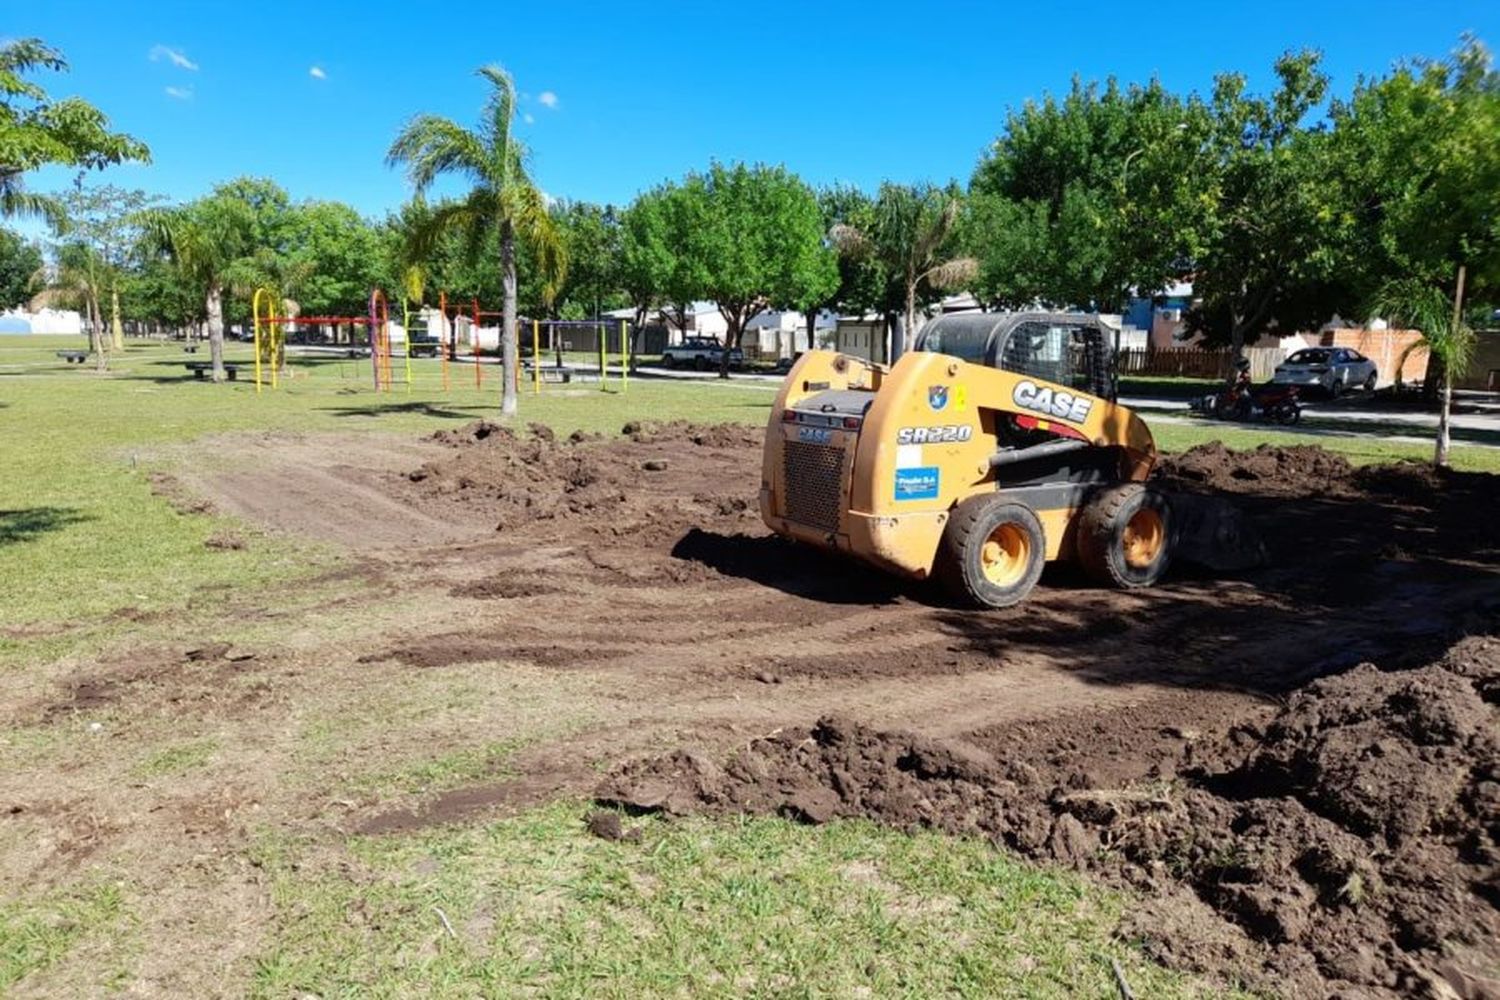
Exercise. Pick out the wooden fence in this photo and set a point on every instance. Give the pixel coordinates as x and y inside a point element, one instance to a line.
<point>1197,362</point>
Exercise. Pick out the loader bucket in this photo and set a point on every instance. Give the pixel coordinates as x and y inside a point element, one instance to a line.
<point>1213,533</point>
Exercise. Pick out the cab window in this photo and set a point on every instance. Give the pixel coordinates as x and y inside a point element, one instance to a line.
<point>965,343</point>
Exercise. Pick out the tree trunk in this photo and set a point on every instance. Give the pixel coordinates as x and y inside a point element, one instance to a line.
<point>1445,406</point>
<point>116,330</point>
<point>96,332</point>
<point>508,342</point>
<point>812,331</point>
<point>731,341</point>
<point>909,334</point>
<point>215,305</point>
<point>897,324</point>
<point>1444,438</point>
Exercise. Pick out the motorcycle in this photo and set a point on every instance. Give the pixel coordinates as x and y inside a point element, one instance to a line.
<point>1272,403</point>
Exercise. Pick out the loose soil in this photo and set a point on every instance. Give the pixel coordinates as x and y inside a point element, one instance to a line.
<point>1296,819</point>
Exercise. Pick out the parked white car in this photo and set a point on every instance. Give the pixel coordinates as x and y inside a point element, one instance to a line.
<point>1333,369</point>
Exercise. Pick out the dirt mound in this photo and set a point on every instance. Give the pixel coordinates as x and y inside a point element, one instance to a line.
<point>645,487</point>
<point>1300,469</point>
<point>1354,842</point>
<point>706,436</point>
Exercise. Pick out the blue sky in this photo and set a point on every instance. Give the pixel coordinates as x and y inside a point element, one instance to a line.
<point>619,96</point>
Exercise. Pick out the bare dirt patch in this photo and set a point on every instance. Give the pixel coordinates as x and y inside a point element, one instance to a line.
<point>1353,841</point>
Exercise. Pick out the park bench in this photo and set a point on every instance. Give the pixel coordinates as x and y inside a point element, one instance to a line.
<point>201,369</point>
<point>549,374</point>
<point>74,357</point>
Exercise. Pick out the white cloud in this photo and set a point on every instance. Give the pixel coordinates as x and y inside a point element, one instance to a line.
<point>173,56</point>
<point>527,118</point>
<point>317,73</point>
<point>180,93</point>
<point>547,99</point>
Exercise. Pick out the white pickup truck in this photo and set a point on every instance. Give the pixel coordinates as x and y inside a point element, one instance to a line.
<point>701,353</point>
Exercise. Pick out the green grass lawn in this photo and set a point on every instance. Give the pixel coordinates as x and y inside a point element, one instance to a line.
<point>756,907</point>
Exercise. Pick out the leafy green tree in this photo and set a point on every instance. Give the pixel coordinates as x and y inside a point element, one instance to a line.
<point>208,239</point>
<point>662,263</point>
<point>20,261</point>
<point>503,198</point>
<point>912,234</point>
<point>756,236</point>
<point>1447,339</point>
<point>156,291</point>
<point>36,130</point>
<point>106,220</point>
<point>1419,168</point>
<point>593,240</point>
<point>75,281</point>
<point>1269,253</point>
<point>1084,198</point>
<point>330,261</point>
<point>862,279</point>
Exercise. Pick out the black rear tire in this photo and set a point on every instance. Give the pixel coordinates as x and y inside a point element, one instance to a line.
<point>700,363</point>
<point>1125,536</point>
<point>992,552</point>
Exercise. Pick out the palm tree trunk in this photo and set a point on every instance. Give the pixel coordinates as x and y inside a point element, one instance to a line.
<point>909,335</point>
<point>215,305</point>
<point>1445,406</point>
<point>508,342</point>
<point>1444,435</point>
<point>116,329</point>
<point>96,332</point>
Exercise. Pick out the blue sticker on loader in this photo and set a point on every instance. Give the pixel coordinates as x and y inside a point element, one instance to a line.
<point>917,484</point>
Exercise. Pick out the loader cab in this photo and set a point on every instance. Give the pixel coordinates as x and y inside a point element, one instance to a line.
<point>1072,349</point>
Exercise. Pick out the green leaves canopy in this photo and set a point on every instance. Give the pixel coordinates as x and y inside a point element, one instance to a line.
<point>36,130</point>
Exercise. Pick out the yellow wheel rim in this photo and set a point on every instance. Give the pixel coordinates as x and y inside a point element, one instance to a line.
<point>1006,555</point>
<point>1145,533</point>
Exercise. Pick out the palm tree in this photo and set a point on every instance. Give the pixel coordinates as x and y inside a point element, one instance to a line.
<point>1424,306</point>
<point>206,239</point>
<point>503,199</point>
<point>909,234</point>
<point>75,282</point>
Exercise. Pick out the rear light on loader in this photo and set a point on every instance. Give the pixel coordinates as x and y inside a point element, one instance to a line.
<point>851,423</point>
<point>789,416</point>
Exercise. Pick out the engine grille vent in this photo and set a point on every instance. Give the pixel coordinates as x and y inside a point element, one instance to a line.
<point>814,481</point>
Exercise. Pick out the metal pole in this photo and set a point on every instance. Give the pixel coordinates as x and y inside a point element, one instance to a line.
<point>536,356</point>
<point>624,359</point>
<point>478,378</point>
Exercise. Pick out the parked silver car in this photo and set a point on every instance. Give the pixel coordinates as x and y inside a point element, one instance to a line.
<point>1334,369</point>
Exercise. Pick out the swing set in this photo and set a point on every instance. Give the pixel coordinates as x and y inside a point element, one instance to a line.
<point>269,335</point>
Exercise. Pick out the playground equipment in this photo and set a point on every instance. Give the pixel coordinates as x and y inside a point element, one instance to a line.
<point>578,336</point>
<point>270,330</point>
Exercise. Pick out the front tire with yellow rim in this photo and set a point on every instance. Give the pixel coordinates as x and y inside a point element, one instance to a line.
<point>992,551</point>
<point>1125,536</point>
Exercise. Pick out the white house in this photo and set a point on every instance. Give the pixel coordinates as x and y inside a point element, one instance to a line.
<point>57,321</point>
<point>783,333</point>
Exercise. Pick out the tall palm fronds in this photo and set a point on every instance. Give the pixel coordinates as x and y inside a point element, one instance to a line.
<point>1423,306</point>
<point>76,281</point>
<point>502,198</point>
<point>205,240</point>
<point>911,230</point>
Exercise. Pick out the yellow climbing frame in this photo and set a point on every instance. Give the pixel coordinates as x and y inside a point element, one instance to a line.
<point>274,335</point>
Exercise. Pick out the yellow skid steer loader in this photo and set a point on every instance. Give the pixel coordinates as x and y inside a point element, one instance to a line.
<point>993,447</point>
